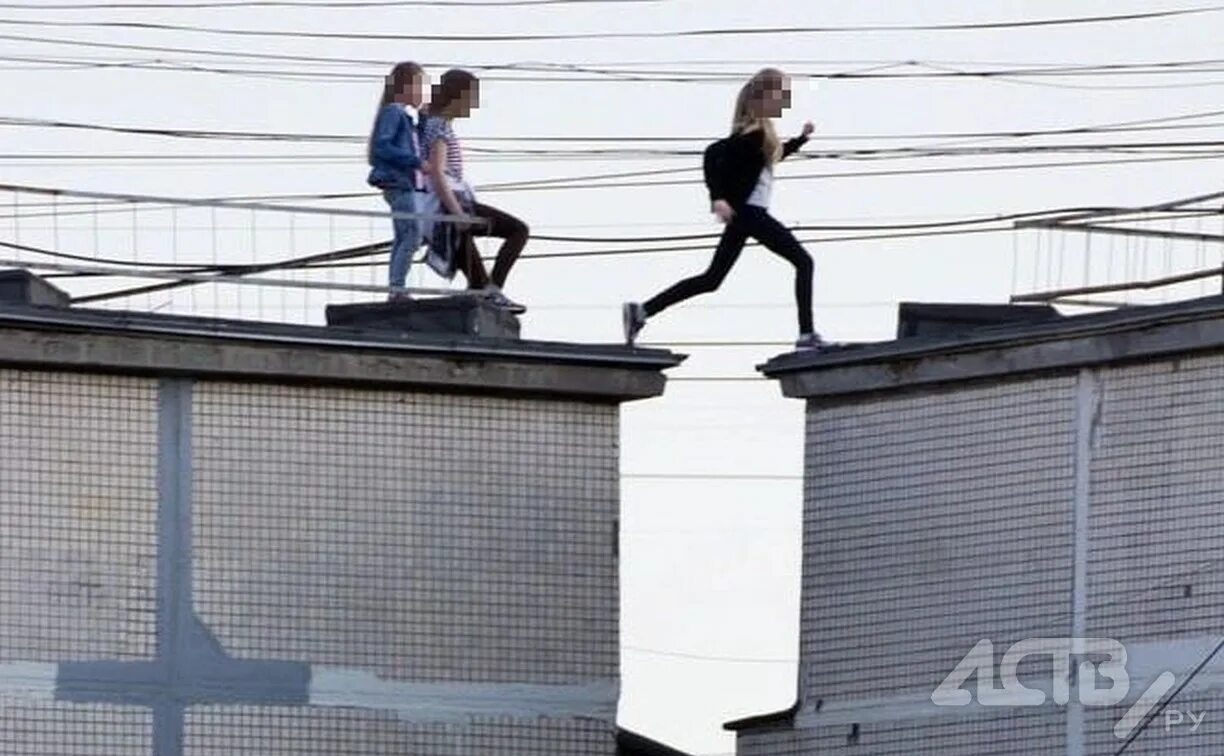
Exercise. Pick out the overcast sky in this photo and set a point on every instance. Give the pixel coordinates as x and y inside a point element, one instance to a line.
<point>711,566</point>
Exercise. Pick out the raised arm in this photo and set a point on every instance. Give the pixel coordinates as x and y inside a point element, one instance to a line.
<point>793,145</point>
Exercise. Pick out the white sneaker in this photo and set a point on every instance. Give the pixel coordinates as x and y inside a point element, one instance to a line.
<point>633,318</point>
<point>811,341</point>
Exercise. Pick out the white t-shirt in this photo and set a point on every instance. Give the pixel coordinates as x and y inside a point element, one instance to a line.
<point>418,175</point>
<point>764,187</point>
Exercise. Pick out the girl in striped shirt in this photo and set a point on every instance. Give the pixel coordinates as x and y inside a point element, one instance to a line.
<point>455,96</point>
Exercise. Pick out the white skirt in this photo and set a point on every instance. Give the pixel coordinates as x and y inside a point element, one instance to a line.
<point>444,239</point>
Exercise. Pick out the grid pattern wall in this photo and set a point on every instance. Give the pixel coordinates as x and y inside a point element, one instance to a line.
<point>78,514</point>
<point>931,521</point>
<point>271,731</point>
<point>1018,732</point>
<point>54,729</point>
<point>1157,524</point>
<point>422,537</point>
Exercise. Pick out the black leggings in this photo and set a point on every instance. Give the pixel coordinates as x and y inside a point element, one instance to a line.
<point>755,222</point>
<point>502,225</point>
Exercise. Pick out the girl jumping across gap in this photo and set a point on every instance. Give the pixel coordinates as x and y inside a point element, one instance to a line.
<point>395,161</point>
<point>739,176</point>
<point>455,95</point>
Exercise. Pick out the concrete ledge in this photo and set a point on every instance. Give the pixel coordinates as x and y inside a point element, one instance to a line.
<point>632,744</point>
<point>778,720</point>
<point>21,287</point>
<point>98,341</point>
<point>454,316</point>
<point>951,319</point>
<point>1074,342</point>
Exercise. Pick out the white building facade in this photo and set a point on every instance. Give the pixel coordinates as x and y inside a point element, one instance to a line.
<point>222,538</point>
<point>1026,485</point>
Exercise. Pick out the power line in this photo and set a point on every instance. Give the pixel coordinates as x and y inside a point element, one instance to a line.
<point>580,36</point>
<point>1169,149</point>
<point>379,248</point>
<point>708,476</point>
<point>192,51</point>
<point>323,4</point>
<point>252,136</point>
<point>600,181</point>
<point>530,186</point>
<point>114,206</point>
<point>227,205</point>
<point>709,247</point>
<point>612,73</point>
<point>179,277</point>
<point>240,203</point>
<point>866,153</point>
<point>96,260</point>
<point>1153,124</point>
<point>707,657</point>
<point>926,225</point>
<point>898,230</point>
<point>714,344</point>
<point>1186,148</point>
<point>382,63</point>
<point>1022,78</point>
<point>325,260</point>
<point>858,69</point>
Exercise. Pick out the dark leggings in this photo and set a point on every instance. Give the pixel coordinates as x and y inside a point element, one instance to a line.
<point>502,225</point>
<point>755,222</point>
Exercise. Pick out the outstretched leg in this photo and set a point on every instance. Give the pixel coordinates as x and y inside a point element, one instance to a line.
<point>728,251</point>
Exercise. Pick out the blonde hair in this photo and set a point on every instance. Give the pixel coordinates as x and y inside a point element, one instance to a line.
<point>747,117</point>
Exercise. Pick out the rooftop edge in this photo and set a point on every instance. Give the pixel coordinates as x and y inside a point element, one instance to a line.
<point>776,718</point>
<point>151,343</point>
<point>1076,341</point>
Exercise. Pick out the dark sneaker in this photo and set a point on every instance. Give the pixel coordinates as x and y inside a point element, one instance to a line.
<point>501,301</point>
<point>633,317</point>
<point>399,296</point>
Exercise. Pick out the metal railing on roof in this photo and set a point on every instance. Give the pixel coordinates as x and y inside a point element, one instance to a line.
<point>1186,256</point>
<point>269,257</point>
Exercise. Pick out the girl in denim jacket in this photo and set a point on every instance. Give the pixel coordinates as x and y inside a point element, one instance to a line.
<point>395,160</point>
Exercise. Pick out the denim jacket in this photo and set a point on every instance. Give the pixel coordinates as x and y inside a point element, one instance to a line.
<point>395,155</point>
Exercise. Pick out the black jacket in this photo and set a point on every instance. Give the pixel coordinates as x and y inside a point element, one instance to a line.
<point>734,164</point>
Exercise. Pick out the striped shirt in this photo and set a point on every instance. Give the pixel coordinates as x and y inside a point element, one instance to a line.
<point>440,129</point>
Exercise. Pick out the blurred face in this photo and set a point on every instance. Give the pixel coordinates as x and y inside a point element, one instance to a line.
<point>416,90</point>
<point>469,101</point>
<point>412,92</point>
<point>775,99</point>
